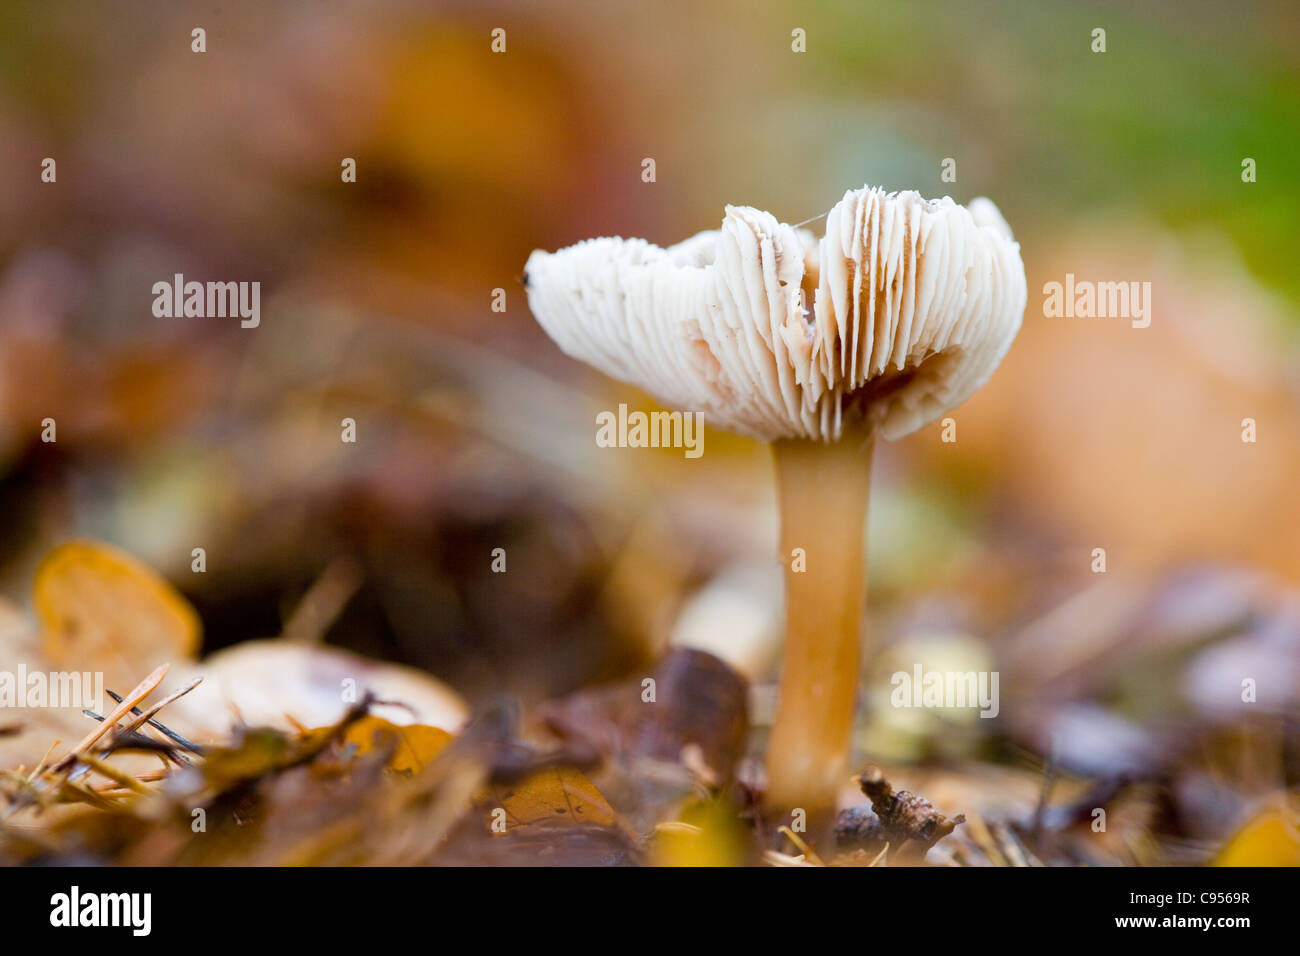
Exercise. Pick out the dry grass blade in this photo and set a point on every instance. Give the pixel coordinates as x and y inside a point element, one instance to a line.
<point>112,773</point>
<point>36,772</point>
<point>808,853</point>
<point>677,826</point>
<point>775,858</point>
<point>984,840</point>
<point>324,601</point>
<point>152,776</point>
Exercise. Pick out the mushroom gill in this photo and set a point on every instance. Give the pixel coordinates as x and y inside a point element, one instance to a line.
<point>774,334</point>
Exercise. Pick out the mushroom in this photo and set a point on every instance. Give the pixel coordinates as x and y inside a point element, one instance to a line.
<point>914,303</point>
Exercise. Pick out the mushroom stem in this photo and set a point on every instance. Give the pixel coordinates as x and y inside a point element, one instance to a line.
<point>822,490</point>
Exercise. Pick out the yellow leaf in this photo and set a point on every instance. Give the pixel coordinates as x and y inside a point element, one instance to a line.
<point>417,744</point>
<point>101,609</point>
<point>1270,839</point>
<point>708,833</point>
<point>559,795</point>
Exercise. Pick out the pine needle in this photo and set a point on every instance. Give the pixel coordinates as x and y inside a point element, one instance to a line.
<point>138,693</point>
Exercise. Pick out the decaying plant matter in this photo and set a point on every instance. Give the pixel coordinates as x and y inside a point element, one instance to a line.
<point>364,791</point>
<point>902,820</point>
<point>603,776</point>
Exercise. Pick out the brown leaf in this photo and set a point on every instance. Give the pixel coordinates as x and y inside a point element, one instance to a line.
<point>699,717</point>
<point>898,818</point>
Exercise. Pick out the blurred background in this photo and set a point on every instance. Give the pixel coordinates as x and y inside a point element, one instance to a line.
<point>474,432</point>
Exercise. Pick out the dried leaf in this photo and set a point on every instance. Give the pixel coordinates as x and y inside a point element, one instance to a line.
<point>101,609</point>
<point>281,683</point>
<point>414,745</point>
<point>1272,838</point>
<point>558,795</point>
<point>699,717</point>
<point>901,818</point>
<point>706,833</point>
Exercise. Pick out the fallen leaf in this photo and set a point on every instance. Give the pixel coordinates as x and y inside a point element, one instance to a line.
<point>706,833</point>
<point>416,744</point>
<point>1272,838</point>
<point>699,718</point>
<point>101,609</point>
<point>281,683</point>
<point>557,795</point>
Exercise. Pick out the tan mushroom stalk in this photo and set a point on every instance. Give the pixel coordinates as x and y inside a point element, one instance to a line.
<point>899,313</point>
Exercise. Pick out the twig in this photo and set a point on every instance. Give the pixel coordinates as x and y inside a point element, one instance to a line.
<point>324,601</point>
<point>1044,794</point>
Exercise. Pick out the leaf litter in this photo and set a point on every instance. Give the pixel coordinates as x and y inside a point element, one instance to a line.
<point>592,778</point>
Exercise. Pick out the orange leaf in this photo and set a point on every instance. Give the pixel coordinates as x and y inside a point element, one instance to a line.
<point>101,609</point>
<point>558,795</point>
<point>417,744</point>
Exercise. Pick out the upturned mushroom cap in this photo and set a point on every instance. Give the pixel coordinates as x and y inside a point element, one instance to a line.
<point>914,303</point>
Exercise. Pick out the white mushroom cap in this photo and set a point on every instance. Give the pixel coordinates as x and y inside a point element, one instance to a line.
<point>915,302</point>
